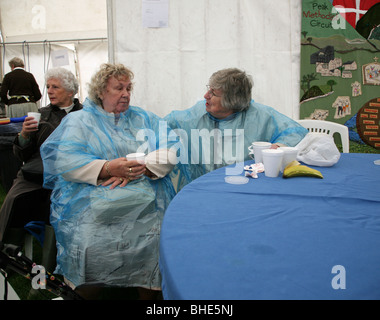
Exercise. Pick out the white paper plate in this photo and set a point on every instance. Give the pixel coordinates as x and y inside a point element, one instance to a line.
<point>377,162</point>
<point>236,179</point>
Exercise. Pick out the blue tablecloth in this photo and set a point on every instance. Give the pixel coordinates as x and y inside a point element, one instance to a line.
<point>276,238</point>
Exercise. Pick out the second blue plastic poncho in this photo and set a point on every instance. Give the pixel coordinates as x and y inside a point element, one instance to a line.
<point>211,143</point>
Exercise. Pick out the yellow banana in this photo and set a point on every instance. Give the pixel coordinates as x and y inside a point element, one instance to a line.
<point>293,163</point>
<point>295,169</point>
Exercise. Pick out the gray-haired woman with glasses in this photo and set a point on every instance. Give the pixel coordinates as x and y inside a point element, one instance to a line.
<point>221,127</point>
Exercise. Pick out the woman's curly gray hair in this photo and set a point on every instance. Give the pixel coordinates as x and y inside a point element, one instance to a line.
<point>68,80</point>
<point>236,86</point>
<point>99,81</point>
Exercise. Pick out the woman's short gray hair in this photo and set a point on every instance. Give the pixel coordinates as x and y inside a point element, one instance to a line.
<point>236,86</point>
<point>99,81</point>
<point>68,80</point>
<point>16,63</point>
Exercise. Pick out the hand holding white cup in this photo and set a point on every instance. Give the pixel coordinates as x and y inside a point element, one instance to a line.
<point>138,156</point>
<point>36,116</point>
<point>29,125</point>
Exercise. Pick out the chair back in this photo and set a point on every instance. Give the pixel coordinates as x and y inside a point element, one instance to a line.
<point>328,127</point>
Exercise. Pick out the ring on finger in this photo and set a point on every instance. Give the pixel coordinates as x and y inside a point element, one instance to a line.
<point>130,170</point>
<point>121,180</point>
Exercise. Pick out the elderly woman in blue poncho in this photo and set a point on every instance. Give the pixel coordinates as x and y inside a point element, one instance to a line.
<point>217,131</point>
<point>107,210</point>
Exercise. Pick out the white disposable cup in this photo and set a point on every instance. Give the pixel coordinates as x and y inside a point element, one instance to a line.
<point>272,159</point>
<point>290,154</point>
<point>139,157</point>
<point>36,116</point>
<point>257,147</point>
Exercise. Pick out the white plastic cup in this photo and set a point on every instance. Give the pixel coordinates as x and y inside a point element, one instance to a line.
<point>272,159</point>
<point>257,147</point>
<point>290,154</point>
<point>139,157</point>
<point>36,116</point>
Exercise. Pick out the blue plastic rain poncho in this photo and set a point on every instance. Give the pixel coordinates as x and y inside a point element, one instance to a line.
<point>106,237</point>
<point>212,143</point>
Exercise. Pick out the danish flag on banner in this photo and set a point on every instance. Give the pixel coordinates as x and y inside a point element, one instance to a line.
<point>353,10</point>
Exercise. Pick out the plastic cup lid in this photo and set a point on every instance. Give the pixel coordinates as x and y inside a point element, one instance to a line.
<point>236,179</point>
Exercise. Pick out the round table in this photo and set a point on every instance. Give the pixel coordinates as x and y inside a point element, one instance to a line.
<point>276,238</point>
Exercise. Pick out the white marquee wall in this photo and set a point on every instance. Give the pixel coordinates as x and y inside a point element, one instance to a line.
<point>43,31</point>
<point>83,59</point>
<point>39,20</point>
<point>172,65</point>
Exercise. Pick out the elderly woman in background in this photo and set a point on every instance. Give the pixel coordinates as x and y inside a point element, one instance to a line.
<point>107,210</point>
<point>233,121</point>
<point>27,200</point>
<point>19,90</point>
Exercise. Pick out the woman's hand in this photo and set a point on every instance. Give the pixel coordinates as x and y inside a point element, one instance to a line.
<point>120,171</point>
<point>131,169</point>
<point>115,181</point>
<point>29,126</point>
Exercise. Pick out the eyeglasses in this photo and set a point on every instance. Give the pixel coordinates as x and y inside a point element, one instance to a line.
<point>211,90</point>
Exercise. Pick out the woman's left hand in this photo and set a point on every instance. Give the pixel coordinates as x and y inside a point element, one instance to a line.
<point>116,181</point>
<point>120,171</point>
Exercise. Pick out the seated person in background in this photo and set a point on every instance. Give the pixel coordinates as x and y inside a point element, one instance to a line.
<point>106,210</point>
<point>19,90</point>
<point>27,200</point>
<point>228,121</point>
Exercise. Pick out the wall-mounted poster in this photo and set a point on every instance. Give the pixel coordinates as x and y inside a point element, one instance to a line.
<point>340,71</point>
